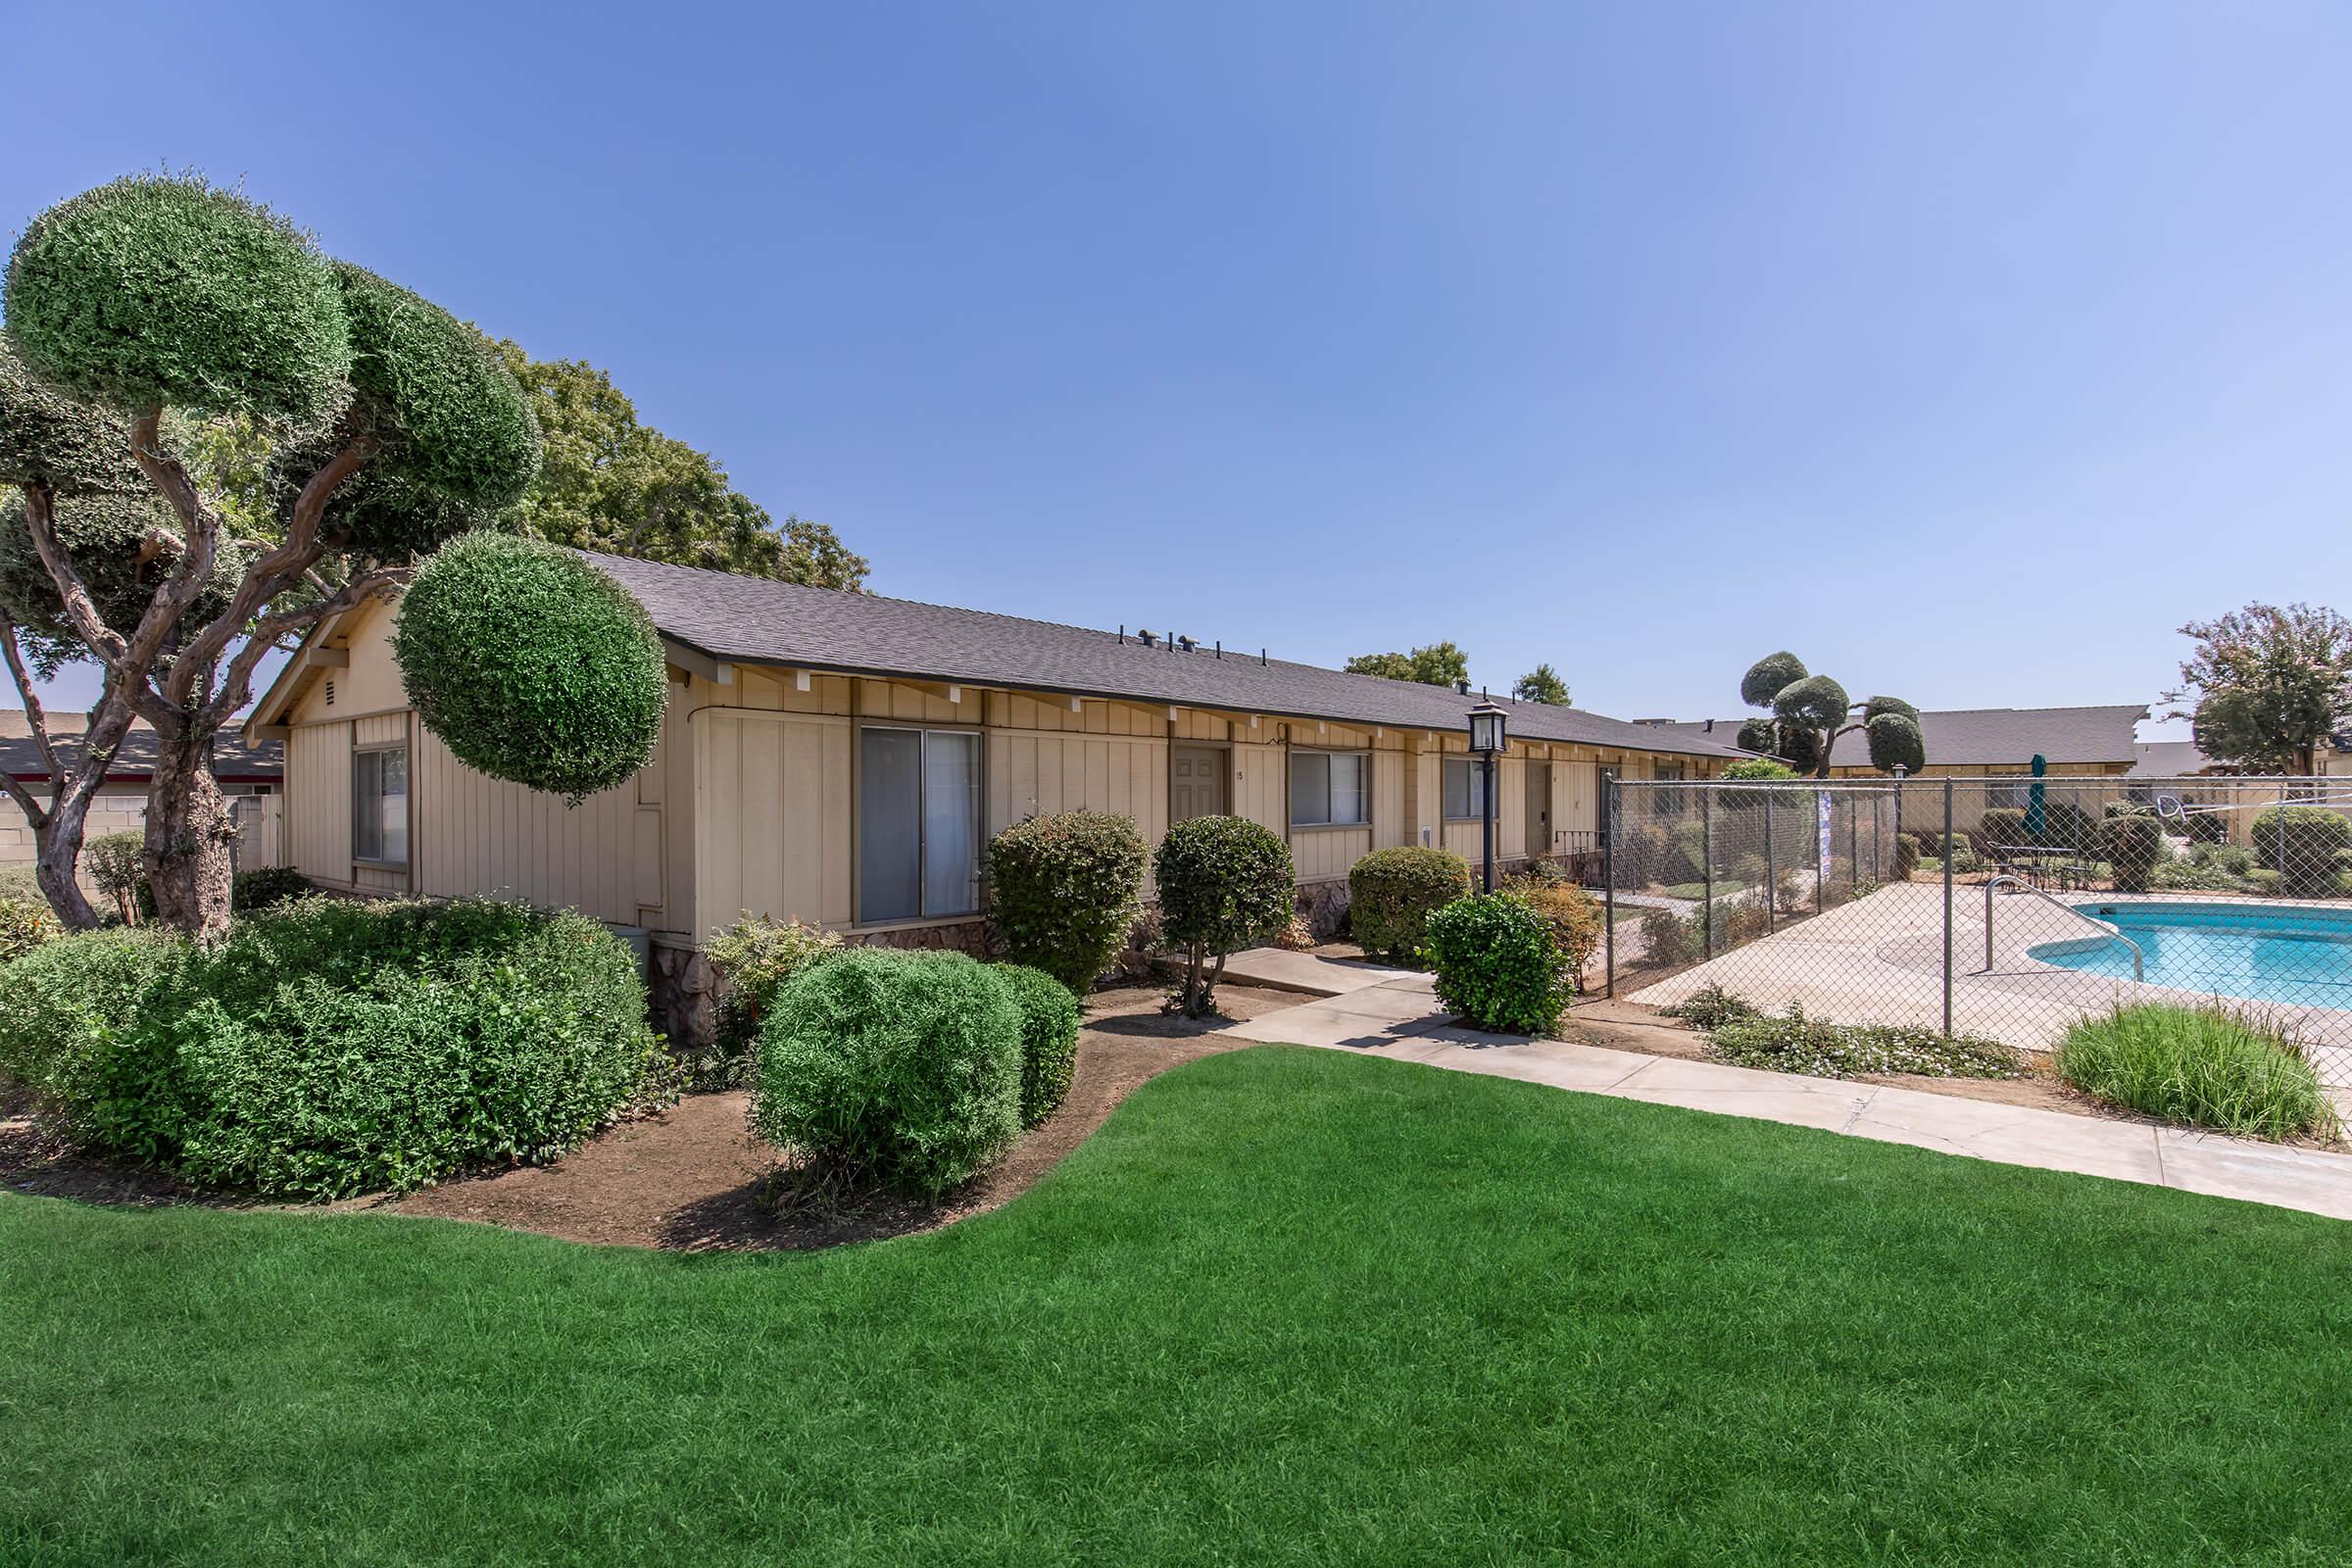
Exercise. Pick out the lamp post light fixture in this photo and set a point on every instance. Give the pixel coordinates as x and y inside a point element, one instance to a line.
<point>1488,739</point>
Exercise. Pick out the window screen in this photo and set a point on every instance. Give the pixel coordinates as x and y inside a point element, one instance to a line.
<point>1310,788</point>
<point>1464,788</point>
<point>379,806</point>
<point>1350,792</point>
<point>951,822</point>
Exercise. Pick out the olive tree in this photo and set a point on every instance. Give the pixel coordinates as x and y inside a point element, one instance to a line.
<point>1809,712</point>
<point>160,303</point>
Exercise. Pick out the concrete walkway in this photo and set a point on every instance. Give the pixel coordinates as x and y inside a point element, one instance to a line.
<point>1395,1012</point>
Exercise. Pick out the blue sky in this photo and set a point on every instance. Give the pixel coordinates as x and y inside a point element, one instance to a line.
<point>1966,350</point>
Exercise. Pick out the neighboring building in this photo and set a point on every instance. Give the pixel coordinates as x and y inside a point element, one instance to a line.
<point>2169,759</point>
<point>1978,742</point>
<point>844,758</point>
<point>244,770</point>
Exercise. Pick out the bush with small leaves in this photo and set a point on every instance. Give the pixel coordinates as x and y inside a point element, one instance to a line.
<point>1670,942</point>
<point>1050,1018</point>
<point>753,957</point>
<point>1063,892</point>
<point>532,665</point>
<point>328,1047</point>
<point>1498,966</point>
<point>2003,826</point>
<point>1906,857</point>
<point>1225,882</point>
<point>113,862</point>
<point>1575,917</point>
<point>1392,894</point>
<point>25,924</point>
<point>2206,827</point>
<point>2132,846</point>
<point>266,887</point>
<point>2300,844</point>
<point>893,1066</point>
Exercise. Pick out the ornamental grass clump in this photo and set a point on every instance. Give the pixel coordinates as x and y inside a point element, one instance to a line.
<point>1392,894</point>
<point>1498,966</point>
<point>1795,1042</point>
<point>330,1048</point>
<point>1065,890</point>
<point>892,1067</point>
<point>2206,1066</point>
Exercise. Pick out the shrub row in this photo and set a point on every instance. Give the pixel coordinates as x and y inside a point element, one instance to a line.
<point>329,1047</point>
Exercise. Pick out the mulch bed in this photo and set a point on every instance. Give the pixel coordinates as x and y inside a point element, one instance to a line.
<point>694,1177</point>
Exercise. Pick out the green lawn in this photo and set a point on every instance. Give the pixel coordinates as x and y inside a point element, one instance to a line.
<point>1290,1306</point>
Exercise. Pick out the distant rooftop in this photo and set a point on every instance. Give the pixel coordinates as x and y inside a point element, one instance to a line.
<point>1977,737</point>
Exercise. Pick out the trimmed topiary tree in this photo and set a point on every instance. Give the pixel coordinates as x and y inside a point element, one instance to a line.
<point>1498,966</point>
<point>1065,890</point>
<point>573,705</point>
<point>147,315</point>
<point>2132,846</point>
<point>1225,882</point>
<point>893,1066</point>
<point>1392,894</point>
<point>1809,712</point>
<point>1050,1019</point>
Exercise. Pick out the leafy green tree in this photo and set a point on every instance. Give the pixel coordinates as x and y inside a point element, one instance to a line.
<point>2270,685</point>
<point>159,333</point>
<point>1434,665</point>
<point>1542,684</point>
<point>1809,712</point>
<point>608,482</point>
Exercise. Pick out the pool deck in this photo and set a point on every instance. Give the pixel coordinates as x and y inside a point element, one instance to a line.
<point>1879,959</point>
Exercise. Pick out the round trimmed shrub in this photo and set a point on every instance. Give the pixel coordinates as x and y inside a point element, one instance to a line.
<point>2206,827</point>
<point>237,310</point>
<point>1050,1019</point>
<point>1065,890</point>
<point>1498,966</point>
<point>2003,825</point>
<point>2132,846</point>
<point>1225,882</point>
<point>47,438</point>
<point>1815,702</point>
<point>1769,676</point>
<point>1895,742</point>
<point>1906,857</point>
<point>330,1048</point>
<point>896,1066</point>
<point>449,414</point>
<point>531,666</point>
<point>1759,735</point>
<point>2300,844</point>
<point>1392,894</point>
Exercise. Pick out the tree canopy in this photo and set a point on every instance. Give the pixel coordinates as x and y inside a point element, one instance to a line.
<point>1542,684</point>
<point>1432,665</point>
<point>1810,711</point>
<point>2270,684</point>
<point>220,436</point>
<point>611,483</point>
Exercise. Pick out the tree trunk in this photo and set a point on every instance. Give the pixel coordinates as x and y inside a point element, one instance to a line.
<point>56,851</point>
<point>189,828</point>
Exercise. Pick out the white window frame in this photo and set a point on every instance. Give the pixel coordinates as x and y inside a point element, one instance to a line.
<point>366,809</point>
<point>1363,791</point>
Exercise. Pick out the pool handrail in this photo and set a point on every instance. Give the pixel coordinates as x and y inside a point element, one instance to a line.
<point>2139,968</point>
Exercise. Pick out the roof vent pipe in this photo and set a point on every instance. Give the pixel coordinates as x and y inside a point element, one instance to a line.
<point>1461,688</point>
<point>1123,634</point>
<point>1220,648</point>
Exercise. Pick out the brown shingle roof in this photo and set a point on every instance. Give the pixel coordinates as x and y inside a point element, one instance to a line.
<point>134,758</point>
<point>753,621</point>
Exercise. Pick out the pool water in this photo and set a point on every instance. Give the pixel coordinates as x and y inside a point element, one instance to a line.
<point>2261,951</point>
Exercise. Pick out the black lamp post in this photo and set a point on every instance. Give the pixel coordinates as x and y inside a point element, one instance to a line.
<point>1487,740</point>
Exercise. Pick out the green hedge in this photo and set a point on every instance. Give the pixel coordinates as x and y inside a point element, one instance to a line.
<point>1065,891</point>
<point>2003,825</point>
<point>1050,1018</point>
<point>2301,843</point>
<point>1392,894</point>
<point>896,1066</point>
<point>1498,965</point>
<point>266,887</point>
<point>753,957</point>
<point>330,1048</point>
<point>25,924</point>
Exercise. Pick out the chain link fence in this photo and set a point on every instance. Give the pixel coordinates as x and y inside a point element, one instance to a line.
<point>2005,906</point>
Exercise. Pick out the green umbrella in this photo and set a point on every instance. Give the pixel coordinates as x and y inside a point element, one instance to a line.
<point>2034,798</point>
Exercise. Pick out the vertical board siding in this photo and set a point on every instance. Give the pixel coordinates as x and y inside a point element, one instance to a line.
<point>318,801</point>
<point>774,804</point>
<point>1327,854</point>
<point>473,834</point>
<point>1259,788</point>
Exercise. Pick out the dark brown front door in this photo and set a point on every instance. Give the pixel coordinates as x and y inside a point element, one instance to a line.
<point>1198,787</point>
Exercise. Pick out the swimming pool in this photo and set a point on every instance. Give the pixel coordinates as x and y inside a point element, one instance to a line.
<point>2262,951</point>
